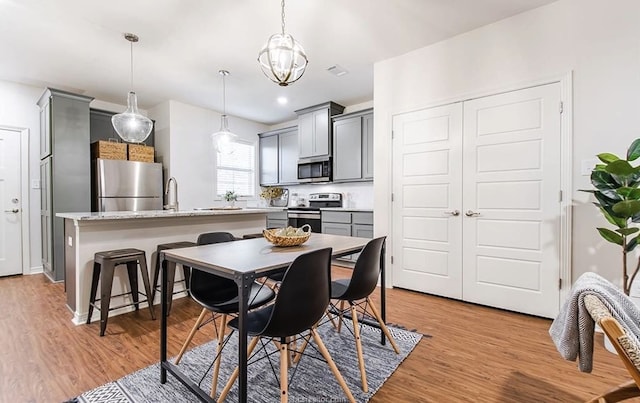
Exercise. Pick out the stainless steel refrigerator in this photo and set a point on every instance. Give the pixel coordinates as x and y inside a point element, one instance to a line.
<point>127,185</point>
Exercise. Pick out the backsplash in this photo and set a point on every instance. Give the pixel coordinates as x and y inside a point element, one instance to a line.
<point>354,195</point>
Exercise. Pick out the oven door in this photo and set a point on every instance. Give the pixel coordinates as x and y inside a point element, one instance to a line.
<point>298,219</point>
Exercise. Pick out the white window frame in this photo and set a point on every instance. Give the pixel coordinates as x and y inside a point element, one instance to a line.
<point>253,171</point>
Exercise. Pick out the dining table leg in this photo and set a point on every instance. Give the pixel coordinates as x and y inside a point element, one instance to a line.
<point>163,319</point>
<point>244,283</point>
<point>383,293</point>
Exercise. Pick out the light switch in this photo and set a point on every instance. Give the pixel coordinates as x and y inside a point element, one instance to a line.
<point>70,241</point>
<point>35,184</point>
<point>588,165</point>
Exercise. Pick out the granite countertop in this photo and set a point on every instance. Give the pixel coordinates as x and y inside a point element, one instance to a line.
<point>347,209</point>
<point>127,215</point>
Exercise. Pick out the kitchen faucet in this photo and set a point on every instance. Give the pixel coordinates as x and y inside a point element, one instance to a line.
<point>172,194</point>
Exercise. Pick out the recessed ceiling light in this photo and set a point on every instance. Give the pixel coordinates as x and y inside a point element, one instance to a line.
<point>282,100</point>
<point>337,70</point>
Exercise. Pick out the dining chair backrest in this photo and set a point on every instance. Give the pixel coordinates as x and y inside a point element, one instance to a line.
<point>303,296</point>
<point>366,271</point>
<point>203,283</point>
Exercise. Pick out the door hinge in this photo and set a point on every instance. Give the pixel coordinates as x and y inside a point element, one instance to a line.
<point>393,134</point>
<point>391,259</point>
<point>391,196</point>
<point>559,284</point>
<point>561,106</point>
<point>560,195</point>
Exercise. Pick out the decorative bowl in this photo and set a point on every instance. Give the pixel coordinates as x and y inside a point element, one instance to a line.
<point>298,235</point>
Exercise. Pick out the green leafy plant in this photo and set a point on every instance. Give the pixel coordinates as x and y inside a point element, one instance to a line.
<point>230,196</point>
<point>617,191</point>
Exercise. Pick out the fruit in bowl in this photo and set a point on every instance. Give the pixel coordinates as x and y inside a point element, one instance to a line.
<point>289,236</point>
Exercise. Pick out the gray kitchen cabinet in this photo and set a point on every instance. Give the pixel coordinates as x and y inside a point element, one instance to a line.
<point>277,219</point>
<point>268,151</point>
<point>353,147</point>
<point>348,223</point>
<point>64,170</point>
<point>278,150</point>
<point>315,129</point>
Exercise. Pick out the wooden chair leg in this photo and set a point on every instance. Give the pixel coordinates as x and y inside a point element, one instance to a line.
<point>383,325</point>
<point>203,314</point>
<point>621,392</point>
<point>216,367</point>
<point>332,365</point>
<point>234,375</point>
<point>356,334</point>
<point>332,319</point>
<point>284,373</point>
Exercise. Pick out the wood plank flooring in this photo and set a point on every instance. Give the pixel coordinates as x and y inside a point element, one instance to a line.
<point>474,354</point>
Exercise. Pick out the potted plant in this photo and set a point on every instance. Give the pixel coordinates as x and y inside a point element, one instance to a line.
<point>270,193</point>
<point>230,196</point>
<point>617,191</point>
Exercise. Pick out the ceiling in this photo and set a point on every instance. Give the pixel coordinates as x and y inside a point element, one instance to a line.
<point>78,46</point>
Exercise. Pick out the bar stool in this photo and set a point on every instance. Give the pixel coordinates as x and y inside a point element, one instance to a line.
<point>104,264</point>
<point>171,273</point>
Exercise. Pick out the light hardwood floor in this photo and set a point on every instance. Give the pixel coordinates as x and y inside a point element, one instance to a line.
<point>473,354</point>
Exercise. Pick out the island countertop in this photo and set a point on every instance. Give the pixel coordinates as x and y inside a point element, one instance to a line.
<point>127,215</point>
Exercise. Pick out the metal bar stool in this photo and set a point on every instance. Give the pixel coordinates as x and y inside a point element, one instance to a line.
<point>171,274</point>
<point>104,264</point>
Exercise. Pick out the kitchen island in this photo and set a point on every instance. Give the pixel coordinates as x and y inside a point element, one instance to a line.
<point>88,233</point>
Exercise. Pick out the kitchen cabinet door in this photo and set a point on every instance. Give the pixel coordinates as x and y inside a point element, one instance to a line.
<point>315,129</point>
<point>305,135</point>
<point>367,146</point>
<point>347,149</point>
<point>268,149</point>
<point>288,157</point>
<point>336,229</point>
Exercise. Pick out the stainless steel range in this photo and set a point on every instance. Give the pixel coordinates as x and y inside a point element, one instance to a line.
<point>299,216</point>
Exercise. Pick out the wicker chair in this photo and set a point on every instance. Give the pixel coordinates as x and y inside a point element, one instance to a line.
<point>626,346</point>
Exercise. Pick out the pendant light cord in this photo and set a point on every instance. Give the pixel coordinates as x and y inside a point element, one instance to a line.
<point>224,96</point>
<point>282,4</point>
<point>131,66</point>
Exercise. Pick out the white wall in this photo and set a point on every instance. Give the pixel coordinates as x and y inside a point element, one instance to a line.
<point>186,130</point>
<point>596,40</point>
<point>18,108</point>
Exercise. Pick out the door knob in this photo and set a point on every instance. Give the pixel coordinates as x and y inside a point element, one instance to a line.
<point>471,213</point>
<point>15,210</point>
<point>453,212</point>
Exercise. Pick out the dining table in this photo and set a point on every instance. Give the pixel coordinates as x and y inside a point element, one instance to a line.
<point>244,261</point>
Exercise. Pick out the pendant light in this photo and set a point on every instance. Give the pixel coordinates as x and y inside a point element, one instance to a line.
<point>130,125</point>
<point>222,138</point>
<point>282,58</point>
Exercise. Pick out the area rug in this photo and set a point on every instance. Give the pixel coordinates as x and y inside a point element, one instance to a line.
<point>312,381</point>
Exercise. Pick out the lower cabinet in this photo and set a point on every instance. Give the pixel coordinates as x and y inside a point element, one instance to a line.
<point>349,223</point>
<point>277,219</point>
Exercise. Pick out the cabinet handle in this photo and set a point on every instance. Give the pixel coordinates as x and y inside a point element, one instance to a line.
<point>15,210</point>
<point>471,213</point>
<point>454,213</point>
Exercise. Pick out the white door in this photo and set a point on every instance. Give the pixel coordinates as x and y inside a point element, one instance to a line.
<point>496,161</point>
<point>11,212</point>
<point>511,201</point>
<point>427,189</point>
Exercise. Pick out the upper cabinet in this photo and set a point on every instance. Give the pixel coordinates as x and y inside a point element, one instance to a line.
<point>314,129</point>
<point>278,151</point>
<point>353,146</point>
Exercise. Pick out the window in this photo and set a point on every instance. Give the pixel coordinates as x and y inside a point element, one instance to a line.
<point>236,171</point>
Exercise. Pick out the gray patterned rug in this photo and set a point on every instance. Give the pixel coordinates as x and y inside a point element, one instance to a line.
<point>311,382</point>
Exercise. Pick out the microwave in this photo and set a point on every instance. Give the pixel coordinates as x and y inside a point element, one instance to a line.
<point>314,170</point>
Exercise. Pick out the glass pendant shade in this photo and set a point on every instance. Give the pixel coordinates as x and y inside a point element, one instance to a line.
<point>130,125</point>
<point>223,138</point>
<point>282,59</point>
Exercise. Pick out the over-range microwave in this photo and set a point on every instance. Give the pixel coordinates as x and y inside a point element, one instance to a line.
<point>314,170</point>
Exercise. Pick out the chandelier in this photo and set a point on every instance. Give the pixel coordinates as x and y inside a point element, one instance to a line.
<point>282,58</point>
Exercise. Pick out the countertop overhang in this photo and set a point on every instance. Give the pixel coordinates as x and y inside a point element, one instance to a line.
<point>127,215</point>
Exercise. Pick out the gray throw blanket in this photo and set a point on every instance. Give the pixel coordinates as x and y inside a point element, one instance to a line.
<point>572,330</point>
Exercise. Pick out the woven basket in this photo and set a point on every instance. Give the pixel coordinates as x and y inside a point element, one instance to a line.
<point>140,152</point>
<point>109,150</point>
<point>292,240</point>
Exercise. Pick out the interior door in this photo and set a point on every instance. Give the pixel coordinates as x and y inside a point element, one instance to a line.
<point>511,203</point>
<point>427,191</point>
<point>11,213</point>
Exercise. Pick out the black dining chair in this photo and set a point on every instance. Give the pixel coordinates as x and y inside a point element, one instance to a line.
<point>356,292</point>
<point>218,297</point>
<point>301,302</point>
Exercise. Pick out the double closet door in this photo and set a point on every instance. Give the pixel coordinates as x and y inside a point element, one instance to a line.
<point>476,205</point>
